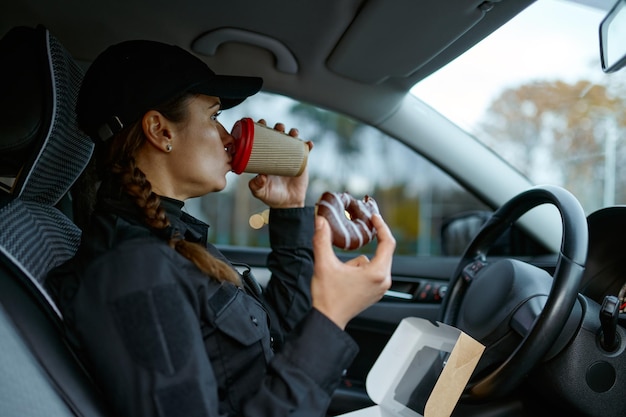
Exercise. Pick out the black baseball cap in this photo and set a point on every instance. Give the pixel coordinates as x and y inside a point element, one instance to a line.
<point>130,78</point>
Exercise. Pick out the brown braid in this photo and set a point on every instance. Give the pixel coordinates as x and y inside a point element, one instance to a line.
<point>120,164</point>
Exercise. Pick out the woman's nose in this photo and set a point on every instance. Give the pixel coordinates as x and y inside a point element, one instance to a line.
<point>227,140</point>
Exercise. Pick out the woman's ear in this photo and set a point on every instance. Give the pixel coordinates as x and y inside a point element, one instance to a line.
<point>158,130</point>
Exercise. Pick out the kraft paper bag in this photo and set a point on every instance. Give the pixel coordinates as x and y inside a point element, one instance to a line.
<point>421,372</point>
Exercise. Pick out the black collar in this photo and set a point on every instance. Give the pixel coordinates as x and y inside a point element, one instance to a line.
<point>181,224</point>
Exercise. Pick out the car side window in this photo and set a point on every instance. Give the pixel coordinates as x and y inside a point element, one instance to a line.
<point>417,199</point>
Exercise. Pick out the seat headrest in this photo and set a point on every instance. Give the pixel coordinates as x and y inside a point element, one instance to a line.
<point>40,142</point>
<point>26,94</point>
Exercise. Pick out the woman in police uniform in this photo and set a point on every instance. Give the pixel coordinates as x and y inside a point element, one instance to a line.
<point>163,321</point>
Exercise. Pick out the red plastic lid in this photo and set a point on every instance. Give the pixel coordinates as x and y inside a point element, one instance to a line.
<point>243,133</point>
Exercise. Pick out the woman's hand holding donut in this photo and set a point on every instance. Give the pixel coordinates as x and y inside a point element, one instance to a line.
<point>278,191</point>
<point>349,219</point>
<point>341,290</point>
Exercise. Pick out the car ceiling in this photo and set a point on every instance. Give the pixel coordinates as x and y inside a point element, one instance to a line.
<point>355,56</point>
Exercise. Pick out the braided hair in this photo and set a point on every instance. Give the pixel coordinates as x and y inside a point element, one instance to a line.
<point>118,161</point>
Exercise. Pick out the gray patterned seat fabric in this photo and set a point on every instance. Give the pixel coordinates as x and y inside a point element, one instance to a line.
<point>42,147</point>
<point>42,153</point>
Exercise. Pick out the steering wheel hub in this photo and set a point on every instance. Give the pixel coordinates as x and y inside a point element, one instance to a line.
<point>496,292</point>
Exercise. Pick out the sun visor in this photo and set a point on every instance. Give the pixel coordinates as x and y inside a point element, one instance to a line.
<point>371,52</point>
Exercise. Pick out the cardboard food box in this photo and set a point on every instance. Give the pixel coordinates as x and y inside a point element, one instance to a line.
<point>421,372</point>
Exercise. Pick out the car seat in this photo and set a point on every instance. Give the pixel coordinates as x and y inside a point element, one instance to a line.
<point>42,153</point>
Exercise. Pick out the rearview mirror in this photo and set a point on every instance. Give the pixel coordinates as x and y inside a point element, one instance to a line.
<point>613,38</point>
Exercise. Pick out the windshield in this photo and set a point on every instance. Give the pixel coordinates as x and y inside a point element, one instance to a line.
<point>534,91</point>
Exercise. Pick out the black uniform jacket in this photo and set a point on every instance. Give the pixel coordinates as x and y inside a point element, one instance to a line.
<point>164,339</point>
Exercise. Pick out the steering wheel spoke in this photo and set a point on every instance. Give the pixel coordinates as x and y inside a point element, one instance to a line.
<point>473,268</point>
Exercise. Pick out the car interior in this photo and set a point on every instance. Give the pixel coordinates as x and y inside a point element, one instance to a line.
<point>40,136</point>
<point>556,338</point>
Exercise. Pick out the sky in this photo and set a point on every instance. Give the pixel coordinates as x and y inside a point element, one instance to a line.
<point>552,39</point>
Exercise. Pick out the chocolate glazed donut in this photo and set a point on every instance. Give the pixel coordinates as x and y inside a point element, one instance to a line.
<point>352,230</point>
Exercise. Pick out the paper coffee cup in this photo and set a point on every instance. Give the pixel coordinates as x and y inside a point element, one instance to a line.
<point>262,150</point>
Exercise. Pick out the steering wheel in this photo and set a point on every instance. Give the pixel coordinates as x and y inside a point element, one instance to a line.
<point>561,298</point>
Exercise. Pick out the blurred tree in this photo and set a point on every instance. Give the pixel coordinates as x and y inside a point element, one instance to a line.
<point>553,131</point>
<point>326,122</point>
